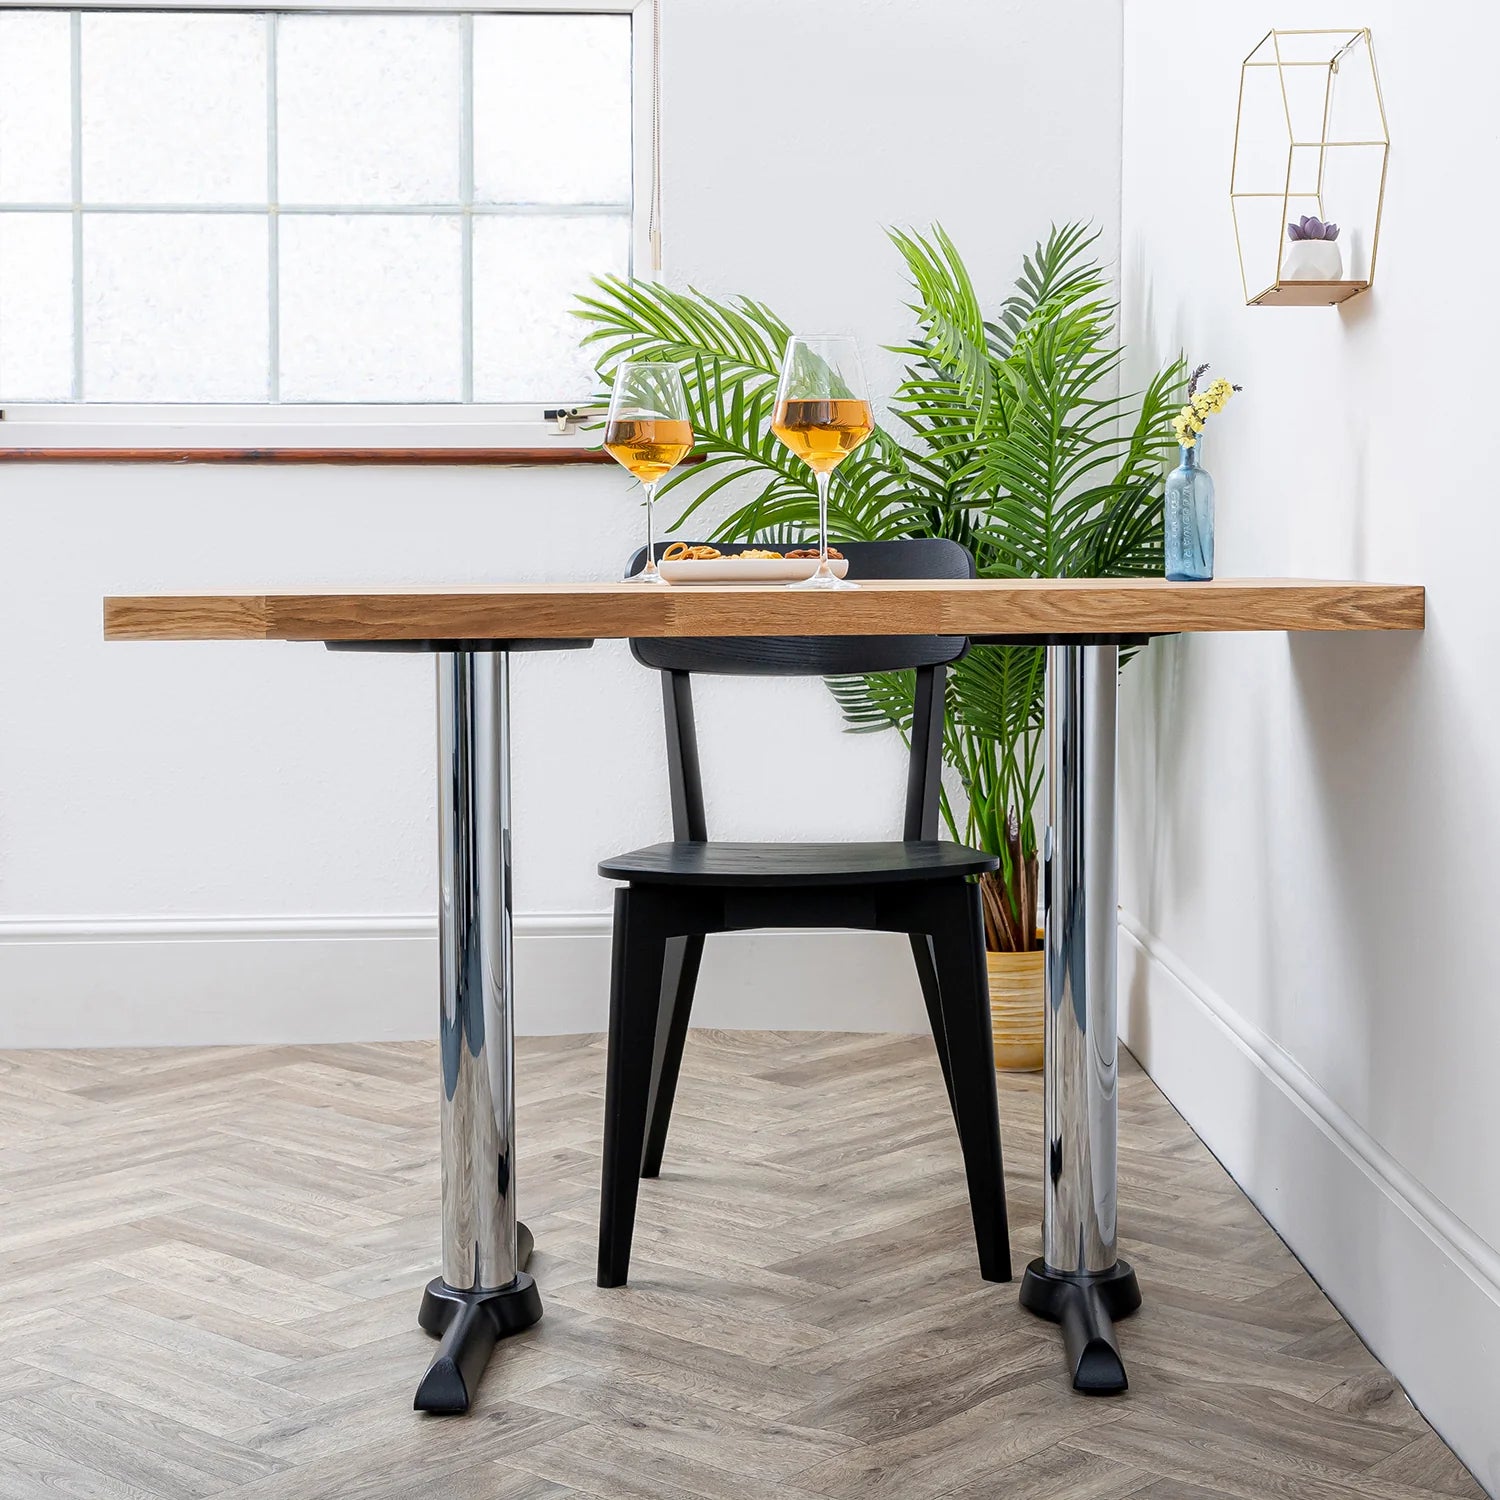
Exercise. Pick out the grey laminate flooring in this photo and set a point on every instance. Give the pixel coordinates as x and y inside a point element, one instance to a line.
<point>210,1264</point>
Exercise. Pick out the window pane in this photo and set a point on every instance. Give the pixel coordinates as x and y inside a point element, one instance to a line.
<point>369,109</point>
<point>371,308</point>
<point>552,109</point>
<point>365,116</point>
<point>527,270</point>
<point>175,307</point>
<point>36,112</point>
<point>36,307</point>
<point>174,109</point>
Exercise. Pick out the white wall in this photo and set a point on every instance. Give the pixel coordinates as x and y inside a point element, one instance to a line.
<point>1310,949</point>
<point>235,842</point>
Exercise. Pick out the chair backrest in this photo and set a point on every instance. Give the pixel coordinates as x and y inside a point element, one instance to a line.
<point>816,656</point>
<point>829,655</point>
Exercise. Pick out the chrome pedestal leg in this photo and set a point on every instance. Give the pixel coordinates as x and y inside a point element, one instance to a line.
<point>1079,1281</point>
<point>484,1292</point>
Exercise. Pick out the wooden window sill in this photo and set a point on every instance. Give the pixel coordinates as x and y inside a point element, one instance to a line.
<point>490,457</point>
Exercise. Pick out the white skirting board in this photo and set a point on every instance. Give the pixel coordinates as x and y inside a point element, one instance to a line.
<point>216,981</point>
<point>1419,1287</point>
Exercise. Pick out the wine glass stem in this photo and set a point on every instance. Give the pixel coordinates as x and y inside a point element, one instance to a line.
<point>823,477</point>
<point>650,490</point>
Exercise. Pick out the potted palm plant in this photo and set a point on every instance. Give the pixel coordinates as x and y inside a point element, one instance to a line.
<point>1008,433</point>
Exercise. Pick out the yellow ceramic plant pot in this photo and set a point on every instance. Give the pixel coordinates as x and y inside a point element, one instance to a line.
<point>1016,1009</point>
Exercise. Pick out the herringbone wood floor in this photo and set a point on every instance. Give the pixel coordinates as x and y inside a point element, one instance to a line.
<point>212,1261</point>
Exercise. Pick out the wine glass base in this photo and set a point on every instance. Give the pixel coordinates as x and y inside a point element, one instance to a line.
<point>823,580</point>
<point>654,576</point>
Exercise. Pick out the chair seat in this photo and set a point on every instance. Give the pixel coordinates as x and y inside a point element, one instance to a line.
<point>720,863</point>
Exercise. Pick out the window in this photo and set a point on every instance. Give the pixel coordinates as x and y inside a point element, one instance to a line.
<point>292,207</point>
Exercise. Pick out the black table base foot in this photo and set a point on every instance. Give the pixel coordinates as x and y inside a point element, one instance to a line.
<point>470,1324</point>
<point>1087,1307</point>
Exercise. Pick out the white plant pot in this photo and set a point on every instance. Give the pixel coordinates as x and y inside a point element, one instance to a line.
<point>1312,260</point>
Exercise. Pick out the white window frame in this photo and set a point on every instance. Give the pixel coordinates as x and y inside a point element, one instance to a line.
<point>181,427</point>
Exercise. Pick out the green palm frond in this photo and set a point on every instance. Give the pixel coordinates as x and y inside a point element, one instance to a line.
<point>647,321</point>
<point>997,690</point>
<point>1058,274</point>
<point>875,701</point>
<point>1014,441</point>
<point>951,323</point>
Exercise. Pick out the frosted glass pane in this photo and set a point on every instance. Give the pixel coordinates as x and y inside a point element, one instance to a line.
<point>36,122</point>
<point>552,109</point>
<point>36,307</point>
<point>369,108</point>
<point>175,307</point>
<point>174,109</point>
<point>527,271</point>
<point>371,308</point>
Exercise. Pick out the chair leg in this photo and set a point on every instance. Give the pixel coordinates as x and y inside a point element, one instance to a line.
<point>684,954</point>
<point>921,952</point>
<point>634,1002</point>
<point>957,928</point>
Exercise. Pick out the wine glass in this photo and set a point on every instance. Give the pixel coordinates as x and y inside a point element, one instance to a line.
<point>649,433</point>
<point>822,414</point>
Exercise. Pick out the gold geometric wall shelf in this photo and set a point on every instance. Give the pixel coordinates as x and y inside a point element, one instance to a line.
<point>1310,140</point>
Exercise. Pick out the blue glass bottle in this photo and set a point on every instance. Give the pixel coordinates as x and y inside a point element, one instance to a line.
<point>1190,519</point>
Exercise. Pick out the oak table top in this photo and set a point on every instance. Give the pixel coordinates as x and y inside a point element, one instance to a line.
<point>594,611</point>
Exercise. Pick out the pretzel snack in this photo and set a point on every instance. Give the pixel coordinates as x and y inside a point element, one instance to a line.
<point>681,552</point>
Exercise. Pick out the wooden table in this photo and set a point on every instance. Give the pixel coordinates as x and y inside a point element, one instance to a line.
<point>484,1291</point>
<point>589,611</point>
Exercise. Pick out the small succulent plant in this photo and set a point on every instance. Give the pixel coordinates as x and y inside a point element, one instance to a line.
<point>1310,228</point>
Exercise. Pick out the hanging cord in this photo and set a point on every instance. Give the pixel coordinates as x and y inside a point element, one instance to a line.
<point>653,212</point>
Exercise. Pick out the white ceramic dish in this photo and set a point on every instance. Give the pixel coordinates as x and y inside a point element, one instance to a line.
<point>746,569</point>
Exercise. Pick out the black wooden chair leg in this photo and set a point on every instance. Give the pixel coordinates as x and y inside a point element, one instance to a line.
<point>921,952</point>
<point>635,991</point>
<point>684,954</point>
<point>958,948</point>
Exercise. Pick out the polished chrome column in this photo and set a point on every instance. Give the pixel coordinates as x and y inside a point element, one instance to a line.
<point>1079,1281</point>
<point>484,1293</point>
<point>1080,914</point>
<point>474,933</point>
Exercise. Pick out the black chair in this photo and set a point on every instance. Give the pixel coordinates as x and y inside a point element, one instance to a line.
<point>678,893</point>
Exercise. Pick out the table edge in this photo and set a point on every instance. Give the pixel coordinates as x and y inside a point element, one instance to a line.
<point>613,611</point>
